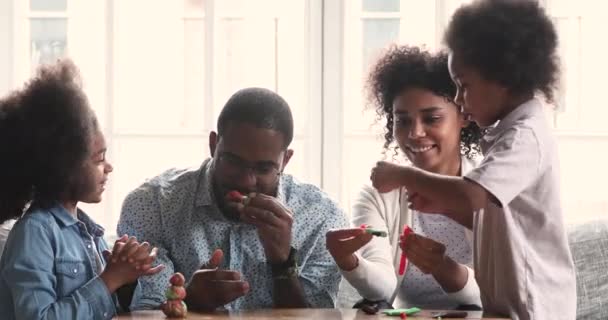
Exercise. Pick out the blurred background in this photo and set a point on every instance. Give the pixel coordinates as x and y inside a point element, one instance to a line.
<point>158,73</point>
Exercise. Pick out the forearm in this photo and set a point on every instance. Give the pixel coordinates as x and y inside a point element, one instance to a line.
<point>458,197</point>
<point>451,275</point>
<point>374,280</point>
<point>287,292</point>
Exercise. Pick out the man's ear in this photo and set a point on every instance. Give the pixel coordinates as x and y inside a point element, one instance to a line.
<point>287,157</point>
<point>213,140</point>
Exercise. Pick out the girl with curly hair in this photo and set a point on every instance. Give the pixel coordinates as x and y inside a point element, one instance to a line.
<point>56,264</point>
<point>412,91</point>
<point>503,53</point>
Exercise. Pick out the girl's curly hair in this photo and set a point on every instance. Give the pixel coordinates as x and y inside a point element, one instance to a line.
<point>45,134</point>
<point>403,67</point>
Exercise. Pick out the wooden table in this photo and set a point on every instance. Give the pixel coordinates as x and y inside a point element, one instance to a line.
<point>291,314</point>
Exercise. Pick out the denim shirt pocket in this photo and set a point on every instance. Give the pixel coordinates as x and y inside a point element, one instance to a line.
<point>71,275</point>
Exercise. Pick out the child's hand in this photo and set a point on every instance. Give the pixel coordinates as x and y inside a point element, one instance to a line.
<point>422,204</point>
<point>128,261</point>
<point>386,176</point>
<point>425,253</point>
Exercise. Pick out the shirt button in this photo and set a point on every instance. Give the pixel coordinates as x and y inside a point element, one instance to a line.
<point>89,246</point>
<point>75,270</point>
<point>105,314</point>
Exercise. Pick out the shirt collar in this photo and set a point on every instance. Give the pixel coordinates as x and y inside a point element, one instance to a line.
<point>204,189</point>
<point>62,216</point>
<point>524,110</point>
<point>93,228</point>
<point>65,219</point>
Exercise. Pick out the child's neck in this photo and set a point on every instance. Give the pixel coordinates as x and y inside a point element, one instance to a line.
<point>70,206</point>
<point>514,102</point>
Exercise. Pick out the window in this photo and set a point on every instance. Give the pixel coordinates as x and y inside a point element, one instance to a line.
<point>158,85</point>
<point>158,73</point>
<point>578,118</point>
<point>580,115</point>
<point>372,25</point>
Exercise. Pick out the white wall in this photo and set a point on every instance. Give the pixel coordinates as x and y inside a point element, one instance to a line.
<point>6,33</point>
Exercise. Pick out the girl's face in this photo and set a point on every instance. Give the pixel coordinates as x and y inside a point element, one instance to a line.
<point>482,101</point>
<point>427,128</point>
<point>94,172</point>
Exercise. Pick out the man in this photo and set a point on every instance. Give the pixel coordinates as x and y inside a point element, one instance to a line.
<point>270,248</point>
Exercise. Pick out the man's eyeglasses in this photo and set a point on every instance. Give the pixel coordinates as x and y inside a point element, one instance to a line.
<point>233,165</point>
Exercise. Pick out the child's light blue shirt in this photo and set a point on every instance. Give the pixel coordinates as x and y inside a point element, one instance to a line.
<point>50,268</point>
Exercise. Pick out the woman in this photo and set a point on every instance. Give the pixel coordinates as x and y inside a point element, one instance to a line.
<point>412,91</point>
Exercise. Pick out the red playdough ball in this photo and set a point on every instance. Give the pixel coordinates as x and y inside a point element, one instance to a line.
<point>234,196</point>
<point>177,279</point>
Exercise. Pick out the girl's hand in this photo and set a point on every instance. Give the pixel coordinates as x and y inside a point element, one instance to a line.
<point>128,261</point>
<point>343,243</point>
<point>387,176</point>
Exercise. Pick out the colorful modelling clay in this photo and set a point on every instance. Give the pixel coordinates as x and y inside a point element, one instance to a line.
<point>406,231</point>
<point>372,231</point>
<point>236,196</point>
<point>399,312</point>
<point>175,307</point>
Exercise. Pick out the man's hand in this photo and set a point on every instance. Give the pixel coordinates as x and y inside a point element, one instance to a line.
<point>273,221</point>
<point>342,244</point>
<point>387,176</point>
<point>211,288</point>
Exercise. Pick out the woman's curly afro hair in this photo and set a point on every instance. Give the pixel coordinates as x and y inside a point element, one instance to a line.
<point>403,67</point>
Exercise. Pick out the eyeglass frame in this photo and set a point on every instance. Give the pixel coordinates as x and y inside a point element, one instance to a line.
<point>236,166</point>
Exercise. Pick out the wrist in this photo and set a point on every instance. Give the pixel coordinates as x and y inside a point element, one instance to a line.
<point>445,268</point>
<point>287,268</point>
<point>451,275</point>
<point>348,263</point>
<point>110,281</point>
<point>403,174</point>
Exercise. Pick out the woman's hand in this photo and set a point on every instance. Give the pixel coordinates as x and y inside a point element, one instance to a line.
<point>343,243</point>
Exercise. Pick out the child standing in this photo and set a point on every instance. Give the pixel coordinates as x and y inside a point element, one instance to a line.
<point>53,157</point>
<point>503,52</point>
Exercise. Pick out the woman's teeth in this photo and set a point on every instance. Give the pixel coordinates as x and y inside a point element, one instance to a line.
<point>420,149</point>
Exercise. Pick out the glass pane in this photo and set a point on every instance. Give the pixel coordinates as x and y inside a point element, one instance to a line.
<point>246,57</point>
<point>138,159</point>
<point>48,5</point>
<point>194,6</point>
<point>150,62</point>
<point>381,5</point>
<point>357,165</point>
<point>48,40</point>
<point>265,51</point>
<point>377,33</point>
<point>194,72</point>
<point>583,199</point>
